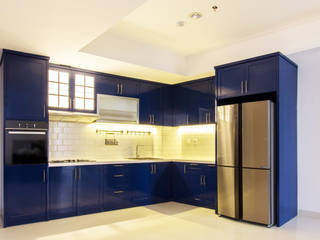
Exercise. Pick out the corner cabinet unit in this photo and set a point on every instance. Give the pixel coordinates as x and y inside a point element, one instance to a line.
<point>274,77</point>
<point>194,102</point>
<point>25,86</point>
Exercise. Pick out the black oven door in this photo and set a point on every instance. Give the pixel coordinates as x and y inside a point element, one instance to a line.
<point>26,147</point>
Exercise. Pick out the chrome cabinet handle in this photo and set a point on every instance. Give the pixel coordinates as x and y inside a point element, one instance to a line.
<point>79,174</point>
<point>187,119</point>
<point>204,181</point>
<point>118,175</point>
<point>118,192</point>
<point>152,118</point>
<point>121,89</point>
<point>201,182</point>
<point>70,102</point>
<point>118,165</point>
<point>44,176</point>
<point>44,110</point>
<point>151,169</point>
<point>206,117</point>
<point>155,168</point>
<point>75,174</point>
<point>241,87</point>
<point>209,117</point>
<point>118,88</point>
<point>184,169</point>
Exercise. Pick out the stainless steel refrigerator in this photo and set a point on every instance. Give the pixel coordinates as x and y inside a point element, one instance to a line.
<point>245,156</point>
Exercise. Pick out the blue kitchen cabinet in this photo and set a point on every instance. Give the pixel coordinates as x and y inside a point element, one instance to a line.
<point>25,86</point>
<point>150,103</point>
<point>262,76</point>
<point>257,76</point>
<point>209,186</point>
<point>180,188</point>
<point>62,192</point>
<point>160,182</point>
<point>116,85</point>
<point>194,102</point>
<point>117,186</point>
<point>230,81</point>
<point>89,189</point>
<point>141,184</point>
<point>168,106</point>
<point>180,102</point>
<point>25,194</point>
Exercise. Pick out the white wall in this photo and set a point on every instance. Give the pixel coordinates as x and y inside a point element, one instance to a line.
<point>308,129</point>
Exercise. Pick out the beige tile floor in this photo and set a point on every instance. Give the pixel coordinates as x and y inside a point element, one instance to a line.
<point>159,222</point>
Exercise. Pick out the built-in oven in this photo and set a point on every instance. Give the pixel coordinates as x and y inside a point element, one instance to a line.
<point>26,142</point>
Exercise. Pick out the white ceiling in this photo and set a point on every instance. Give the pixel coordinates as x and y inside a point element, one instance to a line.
<point>140,38</point>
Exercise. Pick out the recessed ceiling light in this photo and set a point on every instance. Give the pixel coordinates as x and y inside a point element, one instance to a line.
<point>215,8</point>
<point>181,23</point>
<point>195,15</point>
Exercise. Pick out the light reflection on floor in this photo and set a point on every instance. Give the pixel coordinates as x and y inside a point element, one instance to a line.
<point>160,221</point>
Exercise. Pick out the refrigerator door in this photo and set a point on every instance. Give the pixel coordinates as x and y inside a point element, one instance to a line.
<point>257,196</point>
<point>257,134</point>
<point>228,135</point>
<point>228,191</point>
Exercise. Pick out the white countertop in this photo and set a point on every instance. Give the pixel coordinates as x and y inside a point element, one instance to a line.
<point>128,161</point>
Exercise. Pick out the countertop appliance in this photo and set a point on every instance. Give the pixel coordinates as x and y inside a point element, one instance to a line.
<point>26,142</point>
<point>245,160</point>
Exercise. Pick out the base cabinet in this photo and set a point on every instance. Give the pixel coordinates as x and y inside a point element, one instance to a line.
<point>62,192</point>
<point>25,190</point>
<point>195,184</point>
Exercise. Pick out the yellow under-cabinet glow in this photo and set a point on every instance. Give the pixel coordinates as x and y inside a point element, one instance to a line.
<point>197,129</point>
<point>126,128</point>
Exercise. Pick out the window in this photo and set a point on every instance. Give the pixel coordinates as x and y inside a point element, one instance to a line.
<point>58,89</point>
<point>84,92</point>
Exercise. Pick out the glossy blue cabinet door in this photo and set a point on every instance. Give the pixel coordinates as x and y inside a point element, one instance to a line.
<point>210,182</point>
<point>151,108</point>
<point>89,189</point>
<point>25,193</point>
<point>62,192</point>
<point>117,182</point>
<point>128,88</point>
<point>141,184</point>
<point>160,182</point>
<point>168,107</point>
<point>229,81</point>
<point>180,188</point>
<point>25,88</point>
<point>180,95</point>
<point>262,76</point>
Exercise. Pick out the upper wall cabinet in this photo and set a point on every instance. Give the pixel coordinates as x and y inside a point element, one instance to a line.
<point>25,86</point>
<point>71,90</point>
<point>117,86</point>
<point>194,102</point>
<point>247,78</point>
<point>150,105</point>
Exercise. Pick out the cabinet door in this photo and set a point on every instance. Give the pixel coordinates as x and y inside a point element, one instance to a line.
<point>117,184</point>
<point>62,192</point>
<point>25,194</point>
<point>141,184</point>
<point>180,187</point>
<point>128,88</point>
<point>25,88</point>
<point>230,80</point>
<point>89,189</point>
<point>180,95</point>
<point>199,101</point>
<point>150,106</point>
<point>106,85</point>
<point>168,107</point>
<point>210,182</point>
<point>160,182</point>
<point>262,76</point>
<point>195,184</point>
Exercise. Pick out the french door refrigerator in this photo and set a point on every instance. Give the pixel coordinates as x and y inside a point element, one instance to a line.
<point>245,156</point>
